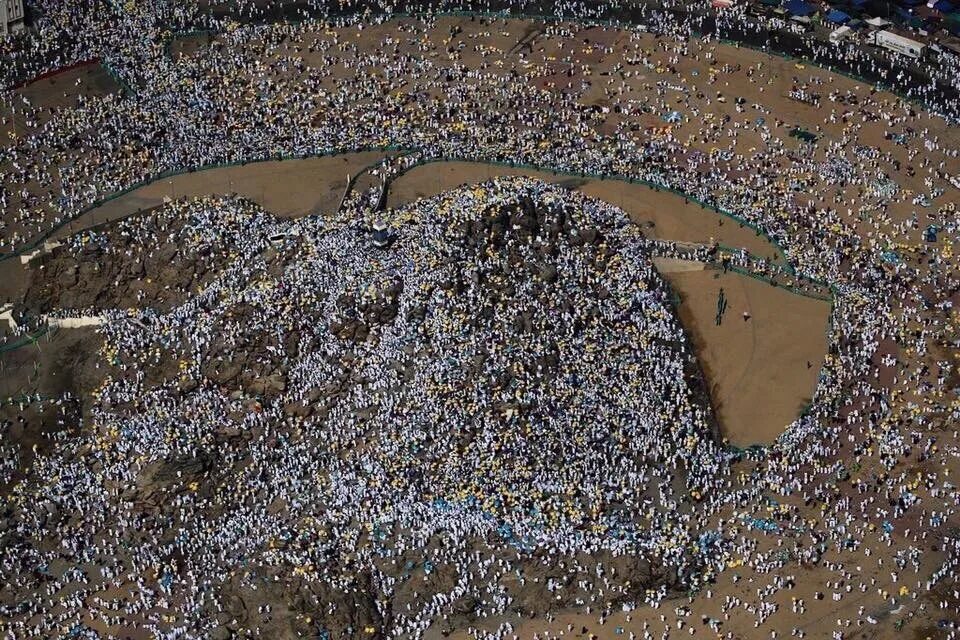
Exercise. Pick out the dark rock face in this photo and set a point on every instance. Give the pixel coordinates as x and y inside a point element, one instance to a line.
<point>99,274</point>
<point>355,319</point>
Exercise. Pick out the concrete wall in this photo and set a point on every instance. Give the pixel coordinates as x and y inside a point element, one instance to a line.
<point>11,16</point>
<point>75,323</point>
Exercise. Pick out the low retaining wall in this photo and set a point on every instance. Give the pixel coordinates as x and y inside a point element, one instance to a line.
<point>54,72</point>
<point>74,323</point>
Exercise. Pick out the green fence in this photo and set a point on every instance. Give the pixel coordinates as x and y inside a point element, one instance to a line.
<point>754,450</point>
<point>621,178</point>
<point>771,281</point>
<point>25,340</point>
<point>37,242</point>
<point>124,87</point>
<point>632,180</point>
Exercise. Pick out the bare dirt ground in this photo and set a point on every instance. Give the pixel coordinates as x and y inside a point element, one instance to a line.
<point>293,188</point>
<point>767,362</point>
<point>596,80</point>
<point>758,371</point>
<point>42,392</point>
<point>762,370</point>
<point>288,188</point>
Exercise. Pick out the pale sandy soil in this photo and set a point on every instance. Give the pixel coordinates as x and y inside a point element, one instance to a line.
<point>288,188</point>
<point>762,371</point>
<point>56,92</point>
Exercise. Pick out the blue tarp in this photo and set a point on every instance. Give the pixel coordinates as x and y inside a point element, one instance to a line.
<point>890,257</point>
<point>838,17</point>
<point>763,524</point>
<point>799,8</point>
<point>944,6</point>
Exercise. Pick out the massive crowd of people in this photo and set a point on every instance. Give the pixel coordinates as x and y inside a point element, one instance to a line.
<point>427,390</point>
<point>502,390</point>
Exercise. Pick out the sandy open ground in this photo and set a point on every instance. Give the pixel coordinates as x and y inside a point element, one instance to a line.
<point>288,188</point>
<point>768,362</point>
<point>762,370</point>
<point>58,91</point>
